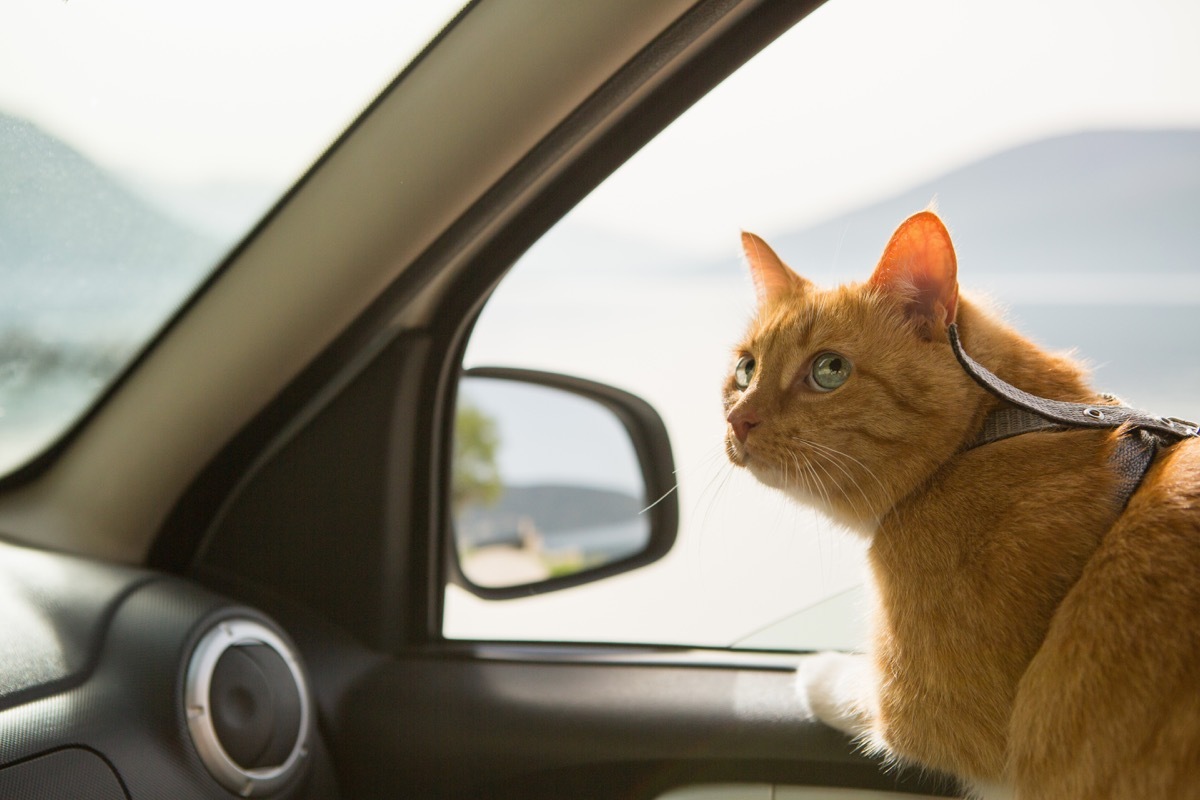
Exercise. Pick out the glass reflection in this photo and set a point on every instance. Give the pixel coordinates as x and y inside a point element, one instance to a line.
<point>546,484</point>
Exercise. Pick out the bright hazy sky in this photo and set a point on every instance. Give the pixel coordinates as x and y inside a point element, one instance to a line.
<point>869,97</point>
<point>205,90</point>
<point>866,96</point>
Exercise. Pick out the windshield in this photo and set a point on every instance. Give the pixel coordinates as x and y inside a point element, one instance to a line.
<point>139,142</point>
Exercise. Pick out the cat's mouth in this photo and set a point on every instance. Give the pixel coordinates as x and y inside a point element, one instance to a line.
<point>761,467</point>
<point>737,452</point>
<point>760,464</point>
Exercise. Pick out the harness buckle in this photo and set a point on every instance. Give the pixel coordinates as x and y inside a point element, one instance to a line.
<point>1185,427</point>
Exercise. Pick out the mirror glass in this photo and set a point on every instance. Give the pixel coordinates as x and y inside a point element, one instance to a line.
<point>546,484</point>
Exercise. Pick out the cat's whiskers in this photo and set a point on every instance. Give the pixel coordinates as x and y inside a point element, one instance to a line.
<point>835,457</point>
<point>820,493</point>
<point>860,464</point>
<point>831,458</point>
<point>717,478</point>
<point>801,475</point>
<point>715,485</point>
<point>832,479</point>
<point>824,492</point>
<point>661,497</point>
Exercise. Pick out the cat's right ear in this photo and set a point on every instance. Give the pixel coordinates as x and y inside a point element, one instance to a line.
<point>772,278</point>
<point>919,266</point>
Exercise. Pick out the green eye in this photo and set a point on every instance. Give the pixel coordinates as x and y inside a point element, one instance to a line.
<point>829,371</point>
<point>743,373</point>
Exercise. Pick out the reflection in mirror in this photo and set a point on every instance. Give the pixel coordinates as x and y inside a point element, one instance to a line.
<point>545,484</point>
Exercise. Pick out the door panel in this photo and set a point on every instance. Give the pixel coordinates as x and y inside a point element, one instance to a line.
<point>587,722</point>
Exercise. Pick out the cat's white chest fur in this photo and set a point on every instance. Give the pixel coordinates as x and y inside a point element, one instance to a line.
<point>993,792</point>
<point>837,689</point>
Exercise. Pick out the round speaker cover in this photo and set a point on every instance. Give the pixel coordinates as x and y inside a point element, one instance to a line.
<point>247,707</point>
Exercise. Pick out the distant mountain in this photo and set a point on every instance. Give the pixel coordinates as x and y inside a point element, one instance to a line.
<point>1092,202</point>
<point>552,509</point>
<point>1097,202</point>
<point>59,206</point>
<point>76,244</point>
<point>221,209</point>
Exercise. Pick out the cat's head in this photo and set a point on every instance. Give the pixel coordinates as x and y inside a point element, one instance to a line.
<point>848,398</point>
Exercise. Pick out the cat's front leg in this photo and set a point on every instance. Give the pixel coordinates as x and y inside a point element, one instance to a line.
<point>839,690</point>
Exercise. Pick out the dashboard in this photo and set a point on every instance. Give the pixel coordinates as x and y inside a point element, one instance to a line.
<point>120,683</point>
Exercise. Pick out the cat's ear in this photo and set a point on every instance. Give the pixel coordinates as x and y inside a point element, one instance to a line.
<point>772,278</point>
<point>919,266</point>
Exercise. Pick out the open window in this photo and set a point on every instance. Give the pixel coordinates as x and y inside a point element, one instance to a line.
<point>1060,168</point>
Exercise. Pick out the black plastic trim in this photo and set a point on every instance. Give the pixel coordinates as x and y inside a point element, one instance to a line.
<point>80,773</point>
<point>75,619</point>
<point>533,728</point>
<point>626,655</point>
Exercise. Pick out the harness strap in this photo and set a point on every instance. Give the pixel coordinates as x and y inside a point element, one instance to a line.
<point>1012,421</point>
<point>1140,437</point>
<point>1074,415</point>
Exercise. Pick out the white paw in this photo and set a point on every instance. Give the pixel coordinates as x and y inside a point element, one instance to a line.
<point>992,791</point>
<point>836,690</point>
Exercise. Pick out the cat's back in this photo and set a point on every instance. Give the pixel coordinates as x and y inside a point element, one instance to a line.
<point>1110,706</point>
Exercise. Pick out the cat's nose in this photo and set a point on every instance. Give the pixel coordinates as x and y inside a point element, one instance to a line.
<point>742,419</point>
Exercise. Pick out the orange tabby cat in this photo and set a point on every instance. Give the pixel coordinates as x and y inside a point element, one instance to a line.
<point>1031,636</point>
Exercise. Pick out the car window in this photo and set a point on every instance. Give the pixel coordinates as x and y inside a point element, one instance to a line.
<point>1063,149</point>
<point>139,142</point>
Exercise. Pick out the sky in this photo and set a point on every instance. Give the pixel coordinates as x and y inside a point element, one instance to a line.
<point>220,91</point>
<point>532,422</point>
<point>869,97</point>
<point>232,92</point>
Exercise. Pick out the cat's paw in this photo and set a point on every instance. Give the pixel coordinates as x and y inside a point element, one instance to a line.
<point>835,688</point>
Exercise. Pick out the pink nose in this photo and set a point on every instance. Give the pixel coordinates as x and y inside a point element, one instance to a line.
<point>742,419</point>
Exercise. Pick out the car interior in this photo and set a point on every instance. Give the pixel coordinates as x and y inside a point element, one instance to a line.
<point>227,576</point>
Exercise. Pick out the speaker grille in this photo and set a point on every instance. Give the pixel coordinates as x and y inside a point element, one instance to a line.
<point>247,707</point>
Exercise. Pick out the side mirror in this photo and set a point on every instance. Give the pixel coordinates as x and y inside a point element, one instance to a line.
<point>555,482</point>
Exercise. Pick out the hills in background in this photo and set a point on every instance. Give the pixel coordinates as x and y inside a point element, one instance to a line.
<point>81,252</point>
<point>1094,202</point>
<point>75,243</point>
<point>1098,202</point>
<point>88,270</point>
<point>58,206</point>
<point>552,510</point>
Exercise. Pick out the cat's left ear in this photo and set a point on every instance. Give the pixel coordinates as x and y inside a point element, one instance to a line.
<point>919,266</point>
<point>772,278</point>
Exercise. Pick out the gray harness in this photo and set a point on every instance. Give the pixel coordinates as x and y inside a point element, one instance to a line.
<point>1142,435</point>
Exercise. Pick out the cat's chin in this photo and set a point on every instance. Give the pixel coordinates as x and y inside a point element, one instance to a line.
<point>848,520</point>
<point>737,454</point>
<point>782,480</point>
<point>765,473</point>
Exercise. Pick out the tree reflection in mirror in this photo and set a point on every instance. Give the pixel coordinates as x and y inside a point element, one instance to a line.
<point>545,484</point>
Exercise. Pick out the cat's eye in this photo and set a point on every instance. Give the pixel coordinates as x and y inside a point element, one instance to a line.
<point>829,371</point>
<point>743,373</point>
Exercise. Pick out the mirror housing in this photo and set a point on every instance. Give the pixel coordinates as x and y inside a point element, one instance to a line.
<point>655,512</point>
